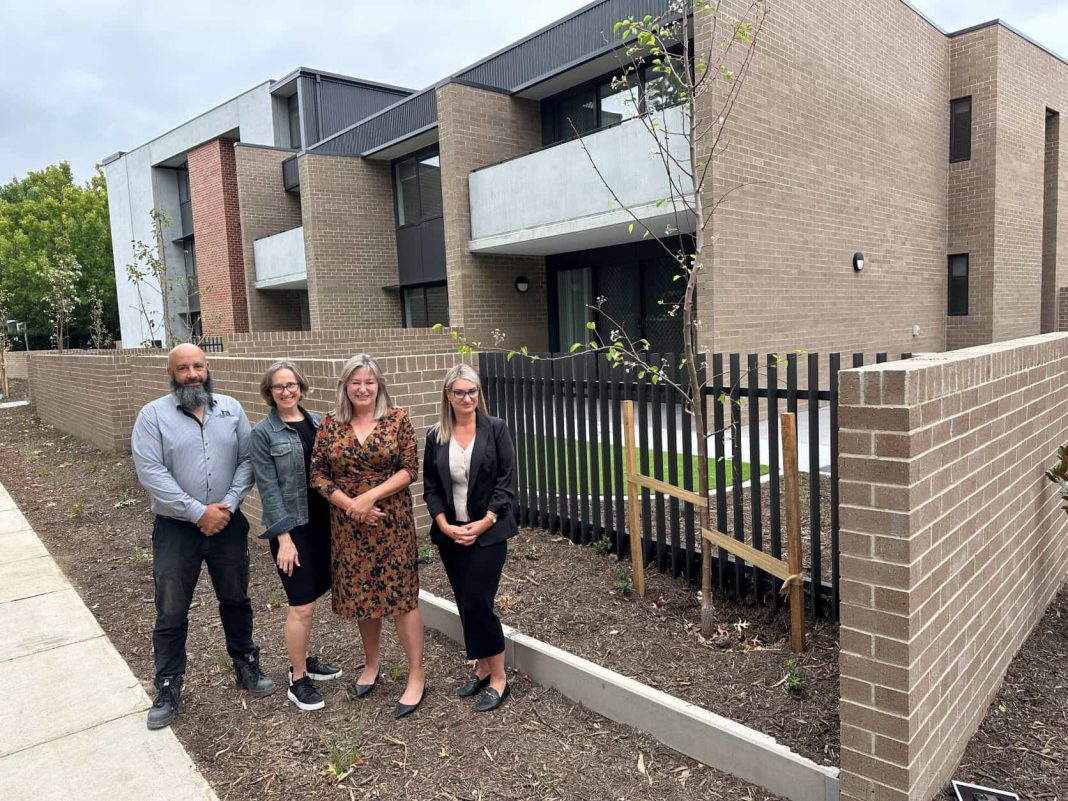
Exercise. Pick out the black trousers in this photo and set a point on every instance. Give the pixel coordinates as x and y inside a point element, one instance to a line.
<point>475,573</point>
<point>178,550</point>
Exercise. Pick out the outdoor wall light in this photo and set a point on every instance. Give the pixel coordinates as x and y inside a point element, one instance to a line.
<point>858,261</point>
<point>522,284</point>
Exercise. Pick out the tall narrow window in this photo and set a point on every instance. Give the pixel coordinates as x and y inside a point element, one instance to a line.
<point>293,107</point>
<point>960,129</point>
<point>958,285</point>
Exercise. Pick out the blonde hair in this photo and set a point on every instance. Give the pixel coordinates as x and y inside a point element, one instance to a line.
<point>268,378</point>
<point>343,407</point>
<point>461,372</point>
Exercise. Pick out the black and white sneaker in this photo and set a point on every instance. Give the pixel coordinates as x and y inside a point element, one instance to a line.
<point>320,671</point>
<point>305,695</point>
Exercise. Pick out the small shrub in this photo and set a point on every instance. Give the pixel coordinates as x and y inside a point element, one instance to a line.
<point>603,546</point>
<point>795,682</point>
<point>77,508</point>
<point>94,466</point>
<point>624,583</point>
<point>395,671</point>
<point>277,599</point>
<point>426,554</point>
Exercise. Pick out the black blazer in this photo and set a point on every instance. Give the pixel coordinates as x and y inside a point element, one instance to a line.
<point>492,484</point>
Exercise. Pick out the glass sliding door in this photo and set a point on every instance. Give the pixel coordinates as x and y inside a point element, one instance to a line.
<point>574,292</point>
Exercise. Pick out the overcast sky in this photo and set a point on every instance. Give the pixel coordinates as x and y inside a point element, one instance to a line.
<point>81,80</point>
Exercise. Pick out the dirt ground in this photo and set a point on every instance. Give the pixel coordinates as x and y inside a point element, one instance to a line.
<point>17,390</point>
<point>92,515</point>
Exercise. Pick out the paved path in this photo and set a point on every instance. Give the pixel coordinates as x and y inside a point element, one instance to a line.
<point>72,711</point>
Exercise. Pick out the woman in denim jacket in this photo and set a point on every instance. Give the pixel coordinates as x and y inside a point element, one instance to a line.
<point>296,521</point>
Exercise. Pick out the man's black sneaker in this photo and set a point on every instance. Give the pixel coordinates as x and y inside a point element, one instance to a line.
<point>305,694</point>
<point>168,699</point>
<point>320,671</point>
<point>247,675</point>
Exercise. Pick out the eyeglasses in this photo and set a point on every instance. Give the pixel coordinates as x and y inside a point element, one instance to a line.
<point>460,394</point>
<point>291,387</point>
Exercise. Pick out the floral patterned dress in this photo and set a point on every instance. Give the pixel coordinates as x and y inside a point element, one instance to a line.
<point>374,568</point>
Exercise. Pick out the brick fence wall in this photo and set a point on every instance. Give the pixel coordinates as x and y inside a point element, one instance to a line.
<point>17,365</point>
<point>340,343</point>
<point>953,543</point>
<point>127,381</point>
<point>63,384</point>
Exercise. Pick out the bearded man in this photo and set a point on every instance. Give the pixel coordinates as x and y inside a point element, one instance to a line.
<point>191,451</point>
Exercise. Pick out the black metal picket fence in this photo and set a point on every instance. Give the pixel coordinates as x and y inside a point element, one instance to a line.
<point>565,419</point>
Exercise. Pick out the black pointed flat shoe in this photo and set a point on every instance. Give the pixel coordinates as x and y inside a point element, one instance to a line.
<point>473,685</point>
<point>491,699</point>
<point>401,710</point>
<point>357,690</point>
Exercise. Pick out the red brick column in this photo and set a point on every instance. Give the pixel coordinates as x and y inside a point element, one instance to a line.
<point>217,232</point>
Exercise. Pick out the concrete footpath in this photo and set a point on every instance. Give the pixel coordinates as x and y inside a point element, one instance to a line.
<point>72,713</point>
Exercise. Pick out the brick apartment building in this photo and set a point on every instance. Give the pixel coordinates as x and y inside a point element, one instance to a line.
<point>322,202</point>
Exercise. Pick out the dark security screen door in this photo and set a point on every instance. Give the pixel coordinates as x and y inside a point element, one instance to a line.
<point>635,282</point>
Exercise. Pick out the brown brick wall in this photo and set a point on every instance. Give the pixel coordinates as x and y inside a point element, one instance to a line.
<point>341,343</point>
<point>265,209</point>
<point>477,128</point>
<point>129,380</point>
<point>17,364</point>
<point>973,72</point>
<point>104,377</point>
<point>842,149</point>
<point>953,543</point>
<point>217,232</point>
<point>1029,81</point>
<point>349,242</point>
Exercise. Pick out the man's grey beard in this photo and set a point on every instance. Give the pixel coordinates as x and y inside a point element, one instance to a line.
<point>192,398</point>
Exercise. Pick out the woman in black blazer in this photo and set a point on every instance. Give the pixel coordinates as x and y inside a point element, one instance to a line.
<point>469,488</point>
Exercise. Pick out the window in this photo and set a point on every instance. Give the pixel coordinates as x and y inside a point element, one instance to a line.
<point>960,129</point>
<point>185,206</point>
<point>958,285</point>
<point>294,120</point>
<point>616,103</point>
<point>576,115</point>
<point>425,306</point>
<point>417,186</point>
<point>661,85</point>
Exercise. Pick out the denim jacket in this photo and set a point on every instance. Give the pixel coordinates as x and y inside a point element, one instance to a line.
<point>278,465</point>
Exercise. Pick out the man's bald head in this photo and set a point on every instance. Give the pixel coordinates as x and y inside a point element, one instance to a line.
<point>185,353</point>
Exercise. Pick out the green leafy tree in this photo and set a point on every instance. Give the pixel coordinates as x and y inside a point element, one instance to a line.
<point>62,278</point>
<point>150,278</point>
<point>46,217</point>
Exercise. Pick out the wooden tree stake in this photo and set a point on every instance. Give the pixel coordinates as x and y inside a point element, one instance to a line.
<point>634,520</point>
<point>792,491</point>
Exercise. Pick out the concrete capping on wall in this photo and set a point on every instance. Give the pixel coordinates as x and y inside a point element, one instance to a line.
<point>953,543</point>
<point>687,728</point>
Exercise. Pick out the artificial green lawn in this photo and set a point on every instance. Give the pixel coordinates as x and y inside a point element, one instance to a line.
<point>604,455</point>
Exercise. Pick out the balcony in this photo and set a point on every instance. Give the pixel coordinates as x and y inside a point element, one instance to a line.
<point>552,200</point>
<point>280,261</point>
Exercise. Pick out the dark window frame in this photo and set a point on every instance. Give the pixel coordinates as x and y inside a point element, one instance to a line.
<point>592,90</point>
<point>422,288</point>
<point>418,157</point>
<point>960,308</point>
<point>960,122</point>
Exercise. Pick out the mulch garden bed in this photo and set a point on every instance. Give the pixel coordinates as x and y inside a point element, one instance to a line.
<point>17,390</point>
<point>91,513</point>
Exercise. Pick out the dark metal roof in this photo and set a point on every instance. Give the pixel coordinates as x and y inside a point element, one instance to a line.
<point>570,40</point>
<point>578,37</point>
<point>406,118</point>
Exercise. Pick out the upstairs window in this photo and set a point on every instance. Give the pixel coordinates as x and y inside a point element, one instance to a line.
<point>958,285</point>
<point>960,129</point>
<point>417,187</point>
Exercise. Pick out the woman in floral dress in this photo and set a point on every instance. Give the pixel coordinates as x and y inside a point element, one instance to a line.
<point>363,462</point>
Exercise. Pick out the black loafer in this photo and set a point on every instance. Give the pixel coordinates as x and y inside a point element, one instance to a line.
<point>401,710</point>
<point>357,690</point>
<point>491,699</point>
<point>473,685</point>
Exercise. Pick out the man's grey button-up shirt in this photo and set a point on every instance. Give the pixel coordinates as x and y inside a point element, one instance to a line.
<point>185,464</point>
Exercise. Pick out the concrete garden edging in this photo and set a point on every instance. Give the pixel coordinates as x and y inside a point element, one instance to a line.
<point>687,728</point>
